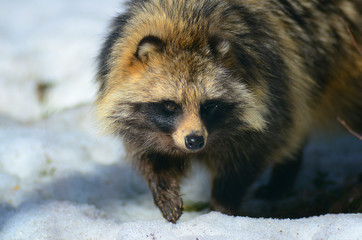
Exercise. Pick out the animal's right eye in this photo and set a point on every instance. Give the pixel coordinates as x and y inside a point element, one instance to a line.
<point>162,114</point>
<point>170,106</point>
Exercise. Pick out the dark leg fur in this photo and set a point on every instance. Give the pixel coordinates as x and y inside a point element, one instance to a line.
<point>282,179</point>
<point>162,176</point>
<point>230,186</point>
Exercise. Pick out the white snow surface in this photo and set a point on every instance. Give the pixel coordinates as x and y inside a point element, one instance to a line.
<point>60,179</point>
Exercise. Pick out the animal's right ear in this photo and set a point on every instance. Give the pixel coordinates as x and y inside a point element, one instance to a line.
<point>148,46</point>
<point>219,46</point>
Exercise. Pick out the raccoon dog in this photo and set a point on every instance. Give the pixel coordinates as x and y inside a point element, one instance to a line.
<point>235,84</point>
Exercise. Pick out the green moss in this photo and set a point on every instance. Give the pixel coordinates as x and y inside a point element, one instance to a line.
<point>191,206</point>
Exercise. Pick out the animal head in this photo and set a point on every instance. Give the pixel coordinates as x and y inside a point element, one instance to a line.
<point>171,87</point>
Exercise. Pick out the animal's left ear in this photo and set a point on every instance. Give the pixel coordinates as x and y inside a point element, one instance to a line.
<point>147,46</point>
<point>219,46</point>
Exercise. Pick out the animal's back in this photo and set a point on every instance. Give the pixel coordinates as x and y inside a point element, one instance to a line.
<point>341,97</point>
<point>327,36</point>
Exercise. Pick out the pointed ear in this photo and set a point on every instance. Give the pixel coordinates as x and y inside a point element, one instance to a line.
<point>148,46</point>
<point>219,46</point>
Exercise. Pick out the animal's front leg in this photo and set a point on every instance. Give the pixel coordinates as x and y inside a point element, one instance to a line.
<point>283,177</point>
<point>230,184</point>
<point>163,176</point>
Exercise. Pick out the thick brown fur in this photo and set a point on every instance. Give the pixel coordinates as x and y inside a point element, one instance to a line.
<point>235,84</point>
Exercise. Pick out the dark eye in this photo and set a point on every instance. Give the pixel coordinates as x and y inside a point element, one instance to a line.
<point>211,108</point>
<point>162,114</point>
<point>170,106</point>
<point>214,113</point>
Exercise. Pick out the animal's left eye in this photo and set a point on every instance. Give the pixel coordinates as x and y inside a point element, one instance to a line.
<point>214,113</point>
<point>211,107</point>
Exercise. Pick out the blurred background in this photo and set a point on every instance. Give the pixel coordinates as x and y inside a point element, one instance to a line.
<point>47,54</point>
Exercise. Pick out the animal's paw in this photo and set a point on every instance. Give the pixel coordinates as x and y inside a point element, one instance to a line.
<point>170,204</point>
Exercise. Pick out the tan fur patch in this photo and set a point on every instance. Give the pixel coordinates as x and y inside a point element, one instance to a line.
<point>190,124</point>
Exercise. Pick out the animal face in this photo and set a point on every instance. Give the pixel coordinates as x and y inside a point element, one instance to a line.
<point>169,100</point>
<point>165,98</point>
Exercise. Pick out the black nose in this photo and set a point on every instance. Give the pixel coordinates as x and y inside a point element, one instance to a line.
<point>194,142</point>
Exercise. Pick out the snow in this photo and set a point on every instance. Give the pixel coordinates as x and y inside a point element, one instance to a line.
<point>85,222</point>
<point>61,179</point>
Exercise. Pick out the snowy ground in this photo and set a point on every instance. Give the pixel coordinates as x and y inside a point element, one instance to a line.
<point>59,179</point>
